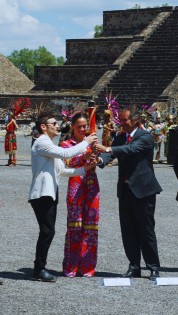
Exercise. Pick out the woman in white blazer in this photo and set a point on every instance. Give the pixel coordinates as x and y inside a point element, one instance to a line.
<point>47,166</point>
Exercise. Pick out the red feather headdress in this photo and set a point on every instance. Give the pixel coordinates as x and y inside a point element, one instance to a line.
<point>20,106</point>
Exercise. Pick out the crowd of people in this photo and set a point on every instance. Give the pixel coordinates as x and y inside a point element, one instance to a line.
<point>134,143</point>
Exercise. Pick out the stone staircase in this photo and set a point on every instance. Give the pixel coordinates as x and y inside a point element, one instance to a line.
<point>151,68</point>
<point>136,58</point>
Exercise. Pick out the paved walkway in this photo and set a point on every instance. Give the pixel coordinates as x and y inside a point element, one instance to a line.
<point>78,296</point>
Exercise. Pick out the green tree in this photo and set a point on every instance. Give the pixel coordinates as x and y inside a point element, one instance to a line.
<point>25,60</point>
<point>98,31</point>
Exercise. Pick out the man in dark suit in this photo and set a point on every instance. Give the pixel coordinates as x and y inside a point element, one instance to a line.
<point>137,189</point>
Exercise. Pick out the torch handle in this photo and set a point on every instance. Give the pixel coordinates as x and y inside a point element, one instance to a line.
<point>92,119</point>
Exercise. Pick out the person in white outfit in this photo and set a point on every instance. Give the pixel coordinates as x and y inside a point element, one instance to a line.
<point>47,166</point>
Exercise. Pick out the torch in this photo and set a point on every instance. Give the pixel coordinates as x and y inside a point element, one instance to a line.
<point>92,116</point>
<point>92,122</point>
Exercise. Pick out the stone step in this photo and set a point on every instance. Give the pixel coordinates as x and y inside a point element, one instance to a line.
<point>141,72</point>
<point>152,66</point>
<point>136,91</point>
<point>161,51</point>
<point>138,84</point>
<point>167,55</point>
<point>141,77</point>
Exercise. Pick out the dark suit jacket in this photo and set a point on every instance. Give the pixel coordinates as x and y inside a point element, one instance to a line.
<point>175,166</point>
<point>135,161</point>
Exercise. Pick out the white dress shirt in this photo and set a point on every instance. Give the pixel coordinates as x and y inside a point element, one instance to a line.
<point>47,166</point>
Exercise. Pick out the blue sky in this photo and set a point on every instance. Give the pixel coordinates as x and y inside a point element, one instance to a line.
<point>33,23</point>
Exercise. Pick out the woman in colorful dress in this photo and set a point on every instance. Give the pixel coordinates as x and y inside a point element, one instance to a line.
<point>10,139</point>
<point>83,197</point>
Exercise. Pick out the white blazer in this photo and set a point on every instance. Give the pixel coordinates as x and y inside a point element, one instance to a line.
<point>47,166</point>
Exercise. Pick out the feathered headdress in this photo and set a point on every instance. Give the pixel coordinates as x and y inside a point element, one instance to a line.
<point>65,113</point>
<point>20,106</point>
<point>113,106</point>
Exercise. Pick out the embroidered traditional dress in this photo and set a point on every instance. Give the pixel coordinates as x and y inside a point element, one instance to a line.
<point>10,138</point>
<point>81,241</point>
<point>157,133</point>
<point>106,136</point>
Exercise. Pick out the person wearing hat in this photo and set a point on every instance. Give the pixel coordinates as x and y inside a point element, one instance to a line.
<point>10,138</point>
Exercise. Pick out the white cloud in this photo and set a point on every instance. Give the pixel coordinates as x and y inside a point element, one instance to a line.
<point>9,12</point>
<point>87,6</point>
<point>88,21</point>
<point>19,30</point>
<point>90,34</point>
<point>34,23</point>
<point>69,5</point>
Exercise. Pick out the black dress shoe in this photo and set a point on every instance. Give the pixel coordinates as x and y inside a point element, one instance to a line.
<point>154,274</point>
<point>132,273</point>
<point>43,275</point>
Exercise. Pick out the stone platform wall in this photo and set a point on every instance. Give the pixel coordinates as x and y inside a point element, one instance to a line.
<point>53,78</point>
<point>95,51</point>
<point>129,22</point>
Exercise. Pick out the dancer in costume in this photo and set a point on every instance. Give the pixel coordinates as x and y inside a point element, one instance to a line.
<point>83,197</point>
<point>108,128</point>
<point>110,121</point>
<point>17,108</point>
<point>64,127</point>
<point>157,133</point>
<point>10,139</point>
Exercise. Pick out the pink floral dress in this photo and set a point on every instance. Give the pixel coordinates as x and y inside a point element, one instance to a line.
<point>81,241</point>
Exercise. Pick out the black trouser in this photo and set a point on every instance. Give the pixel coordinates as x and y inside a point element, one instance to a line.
<point>137,227</point>
<point>45,209</point>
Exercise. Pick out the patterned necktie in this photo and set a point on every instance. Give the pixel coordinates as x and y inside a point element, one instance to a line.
<point>129,138</point>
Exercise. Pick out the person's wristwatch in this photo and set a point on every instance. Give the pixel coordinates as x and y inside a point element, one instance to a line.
<point>108,149</point>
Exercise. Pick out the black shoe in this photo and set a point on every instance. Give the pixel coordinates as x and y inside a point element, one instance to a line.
<point>154,274</point>
<point>132,273</point>
<point>1,282</point>
<point>43,275</point>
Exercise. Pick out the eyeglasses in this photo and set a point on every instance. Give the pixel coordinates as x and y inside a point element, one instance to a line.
<point>54,123</point>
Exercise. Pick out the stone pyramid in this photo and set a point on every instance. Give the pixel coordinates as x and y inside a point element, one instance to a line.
<point>12,80</point>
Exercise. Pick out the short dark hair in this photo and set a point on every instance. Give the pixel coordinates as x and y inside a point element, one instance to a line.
<point>42,119</point>
<point>135,114</point>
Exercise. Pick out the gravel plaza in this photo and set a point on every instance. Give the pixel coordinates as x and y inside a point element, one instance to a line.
<point>78,296</point>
